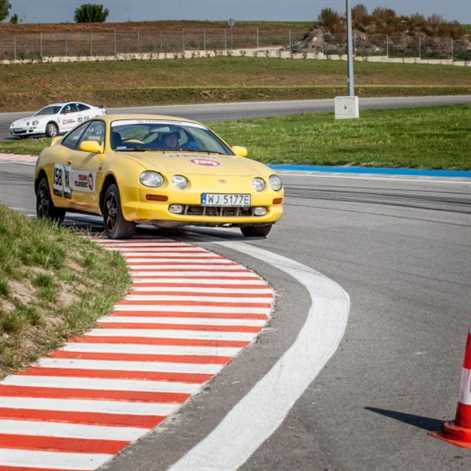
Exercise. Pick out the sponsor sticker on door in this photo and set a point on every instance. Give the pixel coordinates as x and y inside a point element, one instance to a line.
<point>67,180</point>
<point>83,181</point>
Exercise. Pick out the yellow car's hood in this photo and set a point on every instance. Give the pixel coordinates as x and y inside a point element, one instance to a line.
<point>185,163</point>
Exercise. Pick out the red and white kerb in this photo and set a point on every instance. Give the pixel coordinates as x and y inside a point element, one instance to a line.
<point>188,313</point>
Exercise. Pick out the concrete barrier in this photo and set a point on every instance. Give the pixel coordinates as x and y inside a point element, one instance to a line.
<point>267,52</point>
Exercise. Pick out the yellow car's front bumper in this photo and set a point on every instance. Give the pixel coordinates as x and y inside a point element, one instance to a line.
<point>145,207</point>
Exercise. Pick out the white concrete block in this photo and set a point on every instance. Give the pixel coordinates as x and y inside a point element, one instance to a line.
<point>347,107</point>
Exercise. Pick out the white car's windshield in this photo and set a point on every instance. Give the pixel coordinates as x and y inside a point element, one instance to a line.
<point>140,135</point>
<point>49,110</point>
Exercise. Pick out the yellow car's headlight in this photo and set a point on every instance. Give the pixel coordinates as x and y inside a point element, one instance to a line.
<point>258,184</point>
<point>151,179</point>
<point>180,181</point>
<point>275,182</point>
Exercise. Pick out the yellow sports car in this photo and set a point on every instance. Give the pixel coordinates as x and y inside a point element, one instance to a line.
<point>155,169</point>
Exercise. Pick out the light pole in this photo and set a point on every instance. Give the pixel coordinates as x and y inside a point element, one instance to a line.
<point>350,70</point>
<point>347,107</point>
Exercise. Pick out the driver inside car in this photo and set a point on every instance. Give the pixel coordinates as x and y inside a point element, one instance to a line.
<point>170,141</point>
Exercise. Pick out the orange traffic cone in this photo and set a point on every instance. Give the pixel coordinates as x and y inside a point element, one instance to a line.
<point>459,432</point>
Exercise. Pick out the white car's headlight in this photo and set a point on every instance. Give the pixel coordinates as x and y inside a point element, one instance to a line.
<point>258,184</point>
<point>151,179</point>
<point>275,182</point>
<point>180,181</point>
<point>35,122</point>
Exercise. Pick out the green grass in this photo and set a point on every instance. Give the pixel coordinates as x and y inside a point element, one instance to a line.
<point>24,146</point>
<point>54,283</point>
<point>417,138</point>
<point>115,83</point>
<point>436,137</point>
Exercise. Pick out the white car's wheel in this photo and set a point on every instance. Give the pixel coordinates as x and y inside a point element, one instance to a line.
<point>52,129</point>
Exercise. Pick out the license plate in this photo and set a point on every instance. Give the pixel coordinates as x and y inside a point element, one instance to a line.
<point>233,200</point>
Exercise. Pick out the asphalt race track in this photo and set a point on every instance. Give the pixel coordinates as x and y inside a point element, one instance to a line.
<point>223,111</point>
<point>400,247</point>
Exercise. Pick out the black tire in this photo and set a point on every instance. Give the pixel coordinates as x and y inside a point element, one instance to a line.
<point>51,129</point>
<point>116,227</point>
<point>261,230</point>
<point>45,208</point>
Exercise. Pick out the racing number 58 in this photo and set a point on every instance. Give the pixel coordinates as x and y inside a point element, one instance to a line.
<point>58,176</point>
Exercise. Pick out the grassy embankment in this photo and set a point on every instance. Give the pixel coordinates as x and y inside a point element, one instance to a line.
<point>158,26</point>
<point>438,137</point>
<point>133,83</point>
<point>53,284</point>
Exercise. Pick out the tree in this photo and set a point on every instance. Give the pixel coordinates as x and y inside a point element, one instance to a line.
<point>91,13</point>
<point>384,14</point>
<point>5,6</point>
<point>331,20</point>
<point>359,13</point>
<point>14,19</point>
<point>360,17</point>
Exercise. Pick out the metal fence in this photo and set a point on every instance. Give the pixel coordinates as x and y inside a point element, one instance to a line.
<point>68,44</point>
<point>392,46</point>
<point>79,44</point>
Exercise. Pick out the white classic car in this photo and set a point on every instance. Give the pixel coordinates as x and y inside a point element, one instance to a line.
<point>55,119</point>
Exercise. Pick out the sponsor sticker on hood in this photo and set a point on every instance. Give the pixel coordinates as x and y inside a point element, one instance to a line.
<point>206,162</point>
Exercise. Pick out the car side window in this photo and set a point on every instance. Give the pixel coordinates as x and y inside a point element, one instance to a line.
<point>72,139</point>
<point>82,107</point>
<point>95,132</point>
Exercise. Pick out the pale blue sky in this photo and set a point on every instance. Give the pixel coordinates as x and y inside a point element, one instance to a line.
<point>122,10</point>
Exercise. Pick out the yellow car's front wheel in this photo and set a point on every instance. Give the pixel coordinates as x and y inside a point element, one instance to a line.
<point>116,227</point>
<point>260,230</point>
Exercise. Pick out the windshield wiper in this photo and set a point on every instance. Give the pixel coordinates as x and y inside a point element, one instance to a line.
<point>131,149</point>
<point>203,151</point>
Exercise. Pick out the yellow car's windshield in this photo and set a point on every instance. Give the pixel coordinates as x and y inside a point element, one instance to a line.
<point>153,135</point>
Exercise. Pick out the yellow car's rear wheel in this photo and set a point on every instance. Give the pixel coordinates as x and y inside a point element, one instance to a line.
<point>45,208</point>
<point>116,227</point>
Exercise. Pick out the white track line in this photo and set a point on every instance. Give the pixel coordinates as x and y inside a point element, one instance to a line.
<point>165,252</point>
<point>182,263</point>
<point>190,308</point>
<point>265,407</point>
<point>101,384</point>
<point>66,430</point>
<point>393,178</point>
<point>187,266</point>
<point>247,280</point>
<point>173,334</point>
<point>84,405</point>
<point>122,365</point>
<point>201,290</point>
<point>183,320</point>
<point>200,272</point>
<point>151,349</point>
<point>52,459</point>
<point>196,298</point>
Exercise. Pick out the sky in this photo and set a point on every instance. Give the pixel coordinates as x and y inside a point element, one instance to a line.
<point>45,11</point>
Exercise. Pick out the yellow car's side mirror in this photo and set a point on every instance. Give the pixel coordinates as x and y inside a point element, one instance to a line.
<point>240,151</point>
<point>91,147</point>
<point>56,140</point>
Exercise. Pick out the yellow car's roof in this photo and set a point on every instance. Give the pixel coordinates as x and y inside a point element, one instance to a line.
<point>114,117</point>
